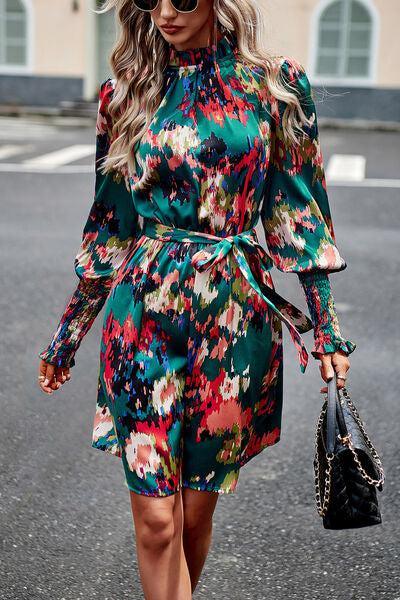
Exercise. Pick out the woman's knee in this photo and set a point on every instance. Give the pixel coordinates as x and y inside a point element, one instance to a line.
<point>155,525</point>
<point>198,509</point>
<point>196,524</point>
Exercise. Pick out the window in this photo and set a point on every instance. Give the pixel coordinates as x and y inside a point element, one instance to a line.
<point>344,45</point>
<point>106,37</point>
<point>13,33</point>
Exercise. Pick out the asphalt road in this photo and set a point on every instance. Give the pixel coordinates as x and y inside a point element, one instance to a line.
<point>65,523</point>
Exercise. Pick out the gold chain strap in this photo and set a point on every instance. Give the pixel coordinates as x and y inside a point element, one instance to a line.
<point>322,505</point>
<point>374,453</point>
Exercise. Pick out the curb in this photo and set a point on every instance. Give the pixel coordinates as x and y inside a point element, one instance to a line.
<point>63,115</point>
<point>367,124</point>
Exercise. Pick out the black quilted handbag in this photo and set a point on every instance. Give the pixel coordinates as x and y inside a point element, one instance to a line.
<point>348,470</point>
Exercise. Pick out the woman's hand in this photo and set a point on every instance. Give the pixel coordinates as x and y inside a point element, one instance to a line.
<point>51,378</point>
<point>331,363</point>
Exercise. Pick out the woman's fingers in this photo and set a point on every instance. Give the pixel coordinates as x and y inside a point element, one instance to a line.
<point>341,365</point>
<point>326,368</point>
<point>334,362</point>
<point>60,376</point>
<point>51,378</point>
<point>46,377</point>
<point>42,373</point>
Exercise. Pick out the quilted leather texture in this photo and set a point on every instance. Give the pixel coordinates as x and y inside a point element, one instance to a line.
<point>354,502</point>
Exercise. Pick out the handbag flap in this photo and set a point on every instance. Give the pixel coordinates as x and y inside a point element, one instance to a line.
<point>344,423</point>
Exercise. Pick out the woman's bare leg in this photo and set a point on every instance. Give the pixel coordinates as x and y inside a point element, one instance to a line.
<point>198,509</point>
<point>162,565</point>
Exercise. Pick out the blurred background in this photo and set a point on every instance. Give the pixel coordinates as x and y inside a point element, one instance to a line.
<point>53,53</point>
<point>65,521</point>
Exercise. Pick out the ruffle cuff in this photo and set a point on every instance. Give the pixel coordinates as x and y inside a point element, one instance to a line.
<point>57,357</point>
<point>325,343</point>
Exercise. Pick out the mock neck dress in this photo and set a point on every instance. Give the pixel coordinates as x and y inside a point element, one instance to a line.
<point>191,363</point>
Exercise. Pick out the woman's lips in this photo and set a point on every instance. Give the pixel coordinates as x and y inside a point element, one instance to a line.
<point>170,29</point>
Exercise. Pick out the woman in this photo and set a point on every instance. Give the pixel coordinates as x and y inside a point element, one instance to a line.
<point>199,132</point>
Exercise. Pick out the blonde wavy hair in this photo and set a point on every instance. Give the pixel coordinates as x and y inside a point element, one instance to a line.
<point>140,56</point>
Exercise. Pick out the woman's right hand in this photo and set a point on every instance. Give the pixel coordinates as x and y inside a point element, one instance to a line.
<point>51,378</point>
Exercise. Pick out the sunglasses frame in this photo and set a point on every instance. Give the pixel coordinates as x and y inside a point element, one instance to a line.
<point>184,12</point>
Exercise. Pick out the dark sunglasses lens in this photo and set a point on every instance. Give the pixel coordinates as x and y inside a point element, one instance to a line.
<point>184,5</point>
<point>146,4</point>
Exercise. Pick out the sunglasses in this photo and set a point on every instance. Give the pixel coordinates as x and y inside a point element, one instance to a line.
<point>183,6</point>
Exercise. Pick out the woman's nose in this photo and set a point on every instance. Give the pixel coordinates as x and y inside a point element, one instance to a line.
<point>167,10</point>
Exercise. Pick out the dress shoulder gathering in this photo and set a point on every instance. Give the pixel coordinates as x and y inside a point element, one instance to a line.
<point>192,317</point>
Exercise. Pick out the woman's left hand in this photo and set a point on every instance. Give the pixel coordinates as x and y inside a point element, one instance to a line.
<point>331,363</point>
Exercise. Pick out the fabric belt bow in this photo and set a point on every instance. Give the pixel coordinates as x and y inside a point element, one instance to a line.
<point>295,320</point>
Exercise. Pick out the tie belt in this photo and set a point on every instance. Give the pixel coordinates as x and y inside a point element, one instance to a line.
<point>295,320</point>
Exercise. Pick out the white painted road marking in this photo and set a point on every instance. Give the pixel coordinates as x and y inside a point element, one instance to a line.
<point>55,163</point>
<point>21,168</point>
<point>9,150</point>
<point>79,169</point>
<point>59,157</point>
<point>346,167</point>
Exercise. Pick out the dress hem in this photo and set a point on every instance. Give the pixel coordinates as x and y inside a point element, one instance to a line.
<point>185,483</point>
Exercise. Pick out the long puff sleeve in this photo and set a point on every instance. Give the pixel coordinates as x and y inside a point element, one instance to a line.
<point>296,216</point>
<point>107,238</point>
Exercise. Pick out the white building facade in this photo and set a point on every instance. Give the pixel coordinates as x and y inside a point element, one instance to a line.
<point>53,51</point>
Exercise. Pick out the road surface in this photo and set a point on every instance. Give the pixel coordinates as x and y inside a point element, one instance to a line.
<point>65,521</point>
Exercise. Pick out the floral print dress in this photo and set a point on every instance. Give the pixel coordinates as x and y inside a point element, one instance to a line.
<point>191,366</point>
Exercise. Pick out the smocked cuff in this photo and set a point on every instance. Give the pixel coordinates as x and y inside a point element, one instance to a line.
<point>79,314</point>
<point>320,301</point>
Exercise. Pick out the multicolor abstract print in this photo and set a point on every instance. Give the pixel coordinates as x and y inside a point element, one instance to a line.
<point>327,335</point>
<point>191,367</point>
